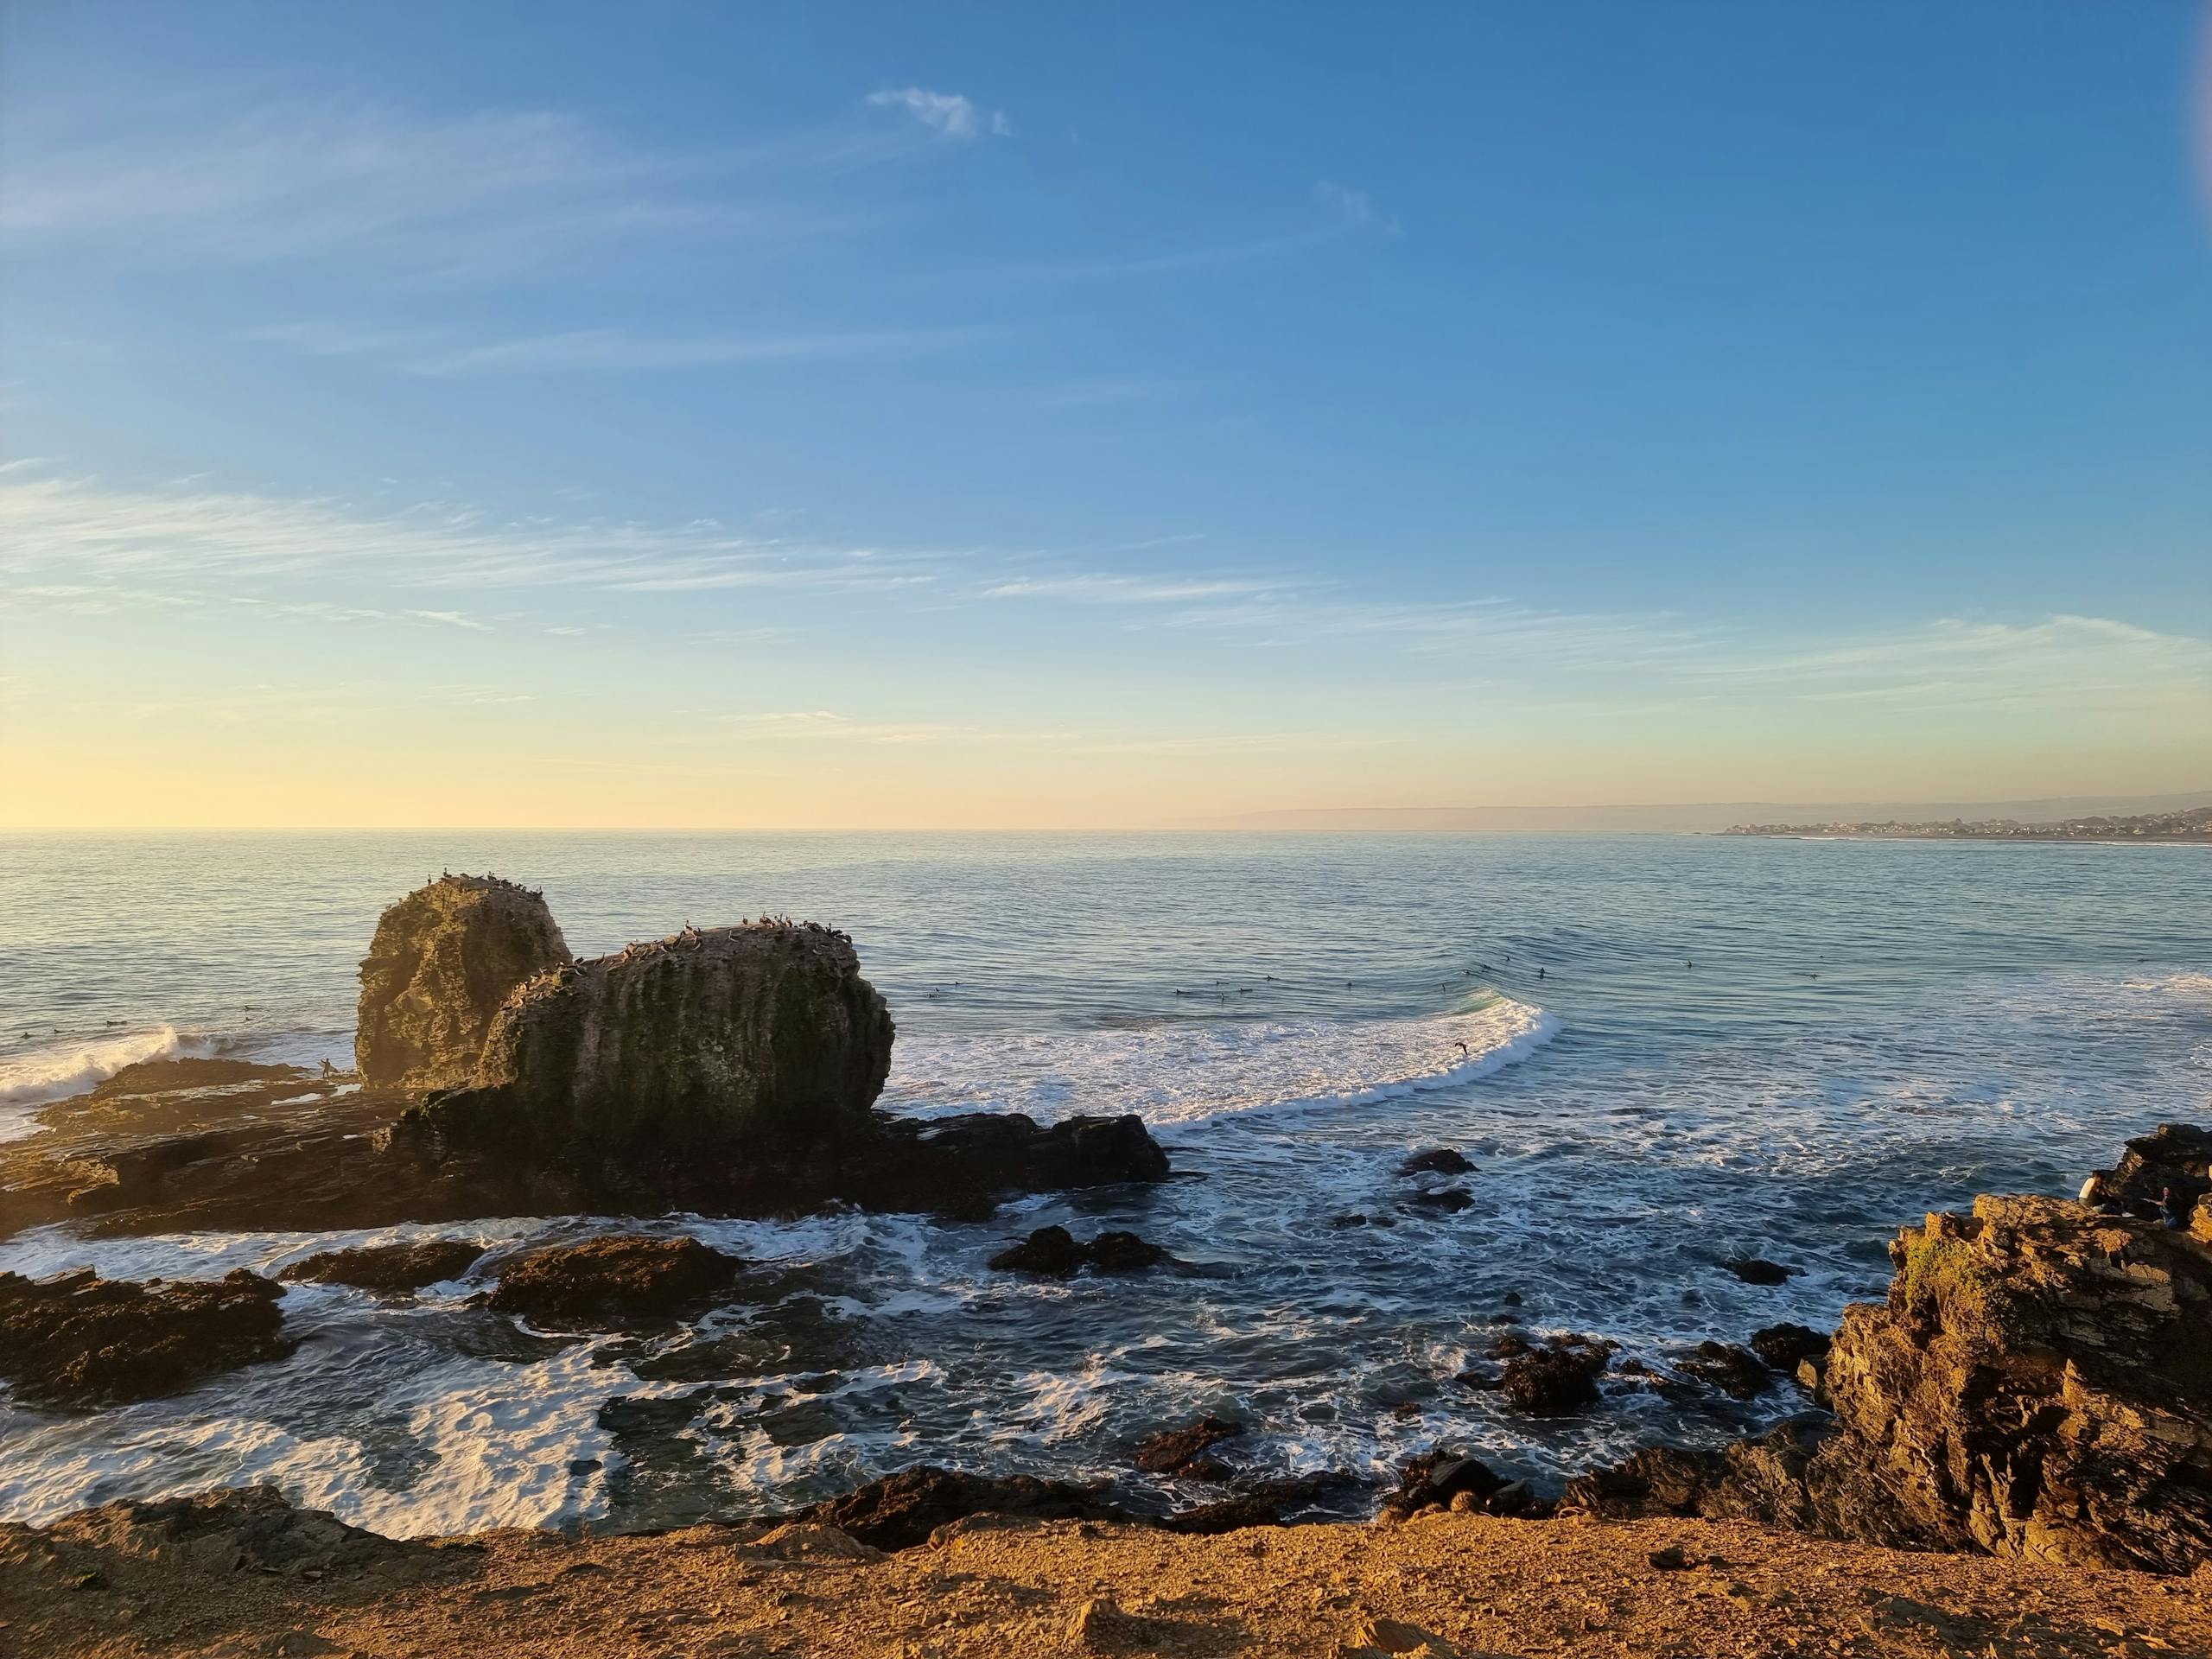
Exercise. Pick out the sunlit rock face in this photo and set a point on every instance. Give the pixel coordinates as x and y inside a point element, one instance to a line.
<point>443,960</point>
<point>761,1041</point>
<point>2038,1384</point>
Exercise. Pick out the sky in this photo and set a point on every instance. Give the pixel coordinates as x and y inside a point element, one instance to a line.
<point>884,416</point>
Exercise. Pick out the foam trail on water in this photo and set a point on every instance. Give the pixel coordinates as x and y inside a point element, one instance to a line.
<point>1178,1072</point>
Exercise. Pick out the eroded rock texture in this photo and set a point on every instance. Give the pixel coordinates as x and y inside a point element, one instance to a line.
<point>443,960</point>
<point>733,1044</point>
<point>2039,1385</point>
<point>82,1341</point>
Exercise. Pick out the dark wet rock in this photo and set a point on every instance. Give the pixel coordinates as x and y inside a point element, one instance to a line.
<point>1264,1503</point>
<point>1183,1451</point>
<point>1786,1346</point>
<point>389,1269</point>
<point>1435,1478</point>
<point>1349,1218</point>
<point>443,960</point>
<point>1049,1251</point>
<point>1757,1270</point>
<point>2174,1158</point>
<point>241,1529</point>
<point>1548,1380</point>
<point>1437,1161</point>
<point>901,1511</point>
<point>2038,1384</point>
<point>1446,1200</point>
<point>625,1280</point>
<point>1510,1345</point>
<point>727,1046</point>
<point>82,1341</point>
<point>1735,1372</point>
<point>1124,1252</point>
<point>1054,1253</point>
<point>1511,1298</point>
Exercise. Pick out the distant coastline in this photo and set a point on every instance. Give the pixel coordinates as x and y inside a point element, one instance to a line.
<point>2193,824</point>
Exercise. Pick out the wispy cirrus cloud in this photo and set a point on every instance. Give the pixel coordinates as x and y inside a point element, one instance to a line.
<point>75,529</point>
<point>949,115</point>
<point>480,194</point>
<point>445,355</point>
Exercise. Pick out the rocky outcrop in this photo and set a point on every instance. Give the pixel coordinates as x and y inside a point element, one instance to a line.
<point>731,1046</point>
<point>245,1529</point>
<point>82,1341</point>
<point>2038,1384</point>
<point>727,1072</point>
<point>625,1280</point>
<point>442,960</point>
<point>2170,1167</point>
<point>388,1269</point>
<point>901,1511</point>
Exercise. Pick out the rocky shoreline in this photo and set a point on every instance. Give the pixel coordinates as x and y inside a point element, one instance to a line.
<point>2036,1386</point>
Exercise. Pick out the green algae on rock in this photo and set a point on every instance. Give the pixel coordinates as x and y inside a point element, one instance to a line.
<point>729,1043</point>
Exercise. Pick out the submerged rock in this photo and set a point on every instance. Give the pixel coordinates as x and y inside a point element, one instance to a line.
<point>390,1269</point>
<point>901,1511</point>
<point>443,960</point>
<point>735,1045</point>
<point>83,1341</point>
<point>624,1280</point>
<point>2039,1385</point>
<point>1757,1270</point>
<point>1437,1161</point>
<point>1184,1451</point>
<point>1054,1253</point>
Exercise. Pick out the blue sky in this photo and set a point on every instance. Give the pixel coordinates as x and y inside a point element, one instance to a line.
<point>1007,414</point>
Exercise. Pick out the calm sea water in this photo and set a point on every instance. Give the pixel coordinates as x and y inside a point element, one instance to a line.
<point>1675,1050</point>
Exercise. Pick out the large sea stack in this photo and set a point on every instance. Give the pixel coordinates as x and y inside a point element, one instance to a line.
<point>696,1059</point>
<point>443,960</point>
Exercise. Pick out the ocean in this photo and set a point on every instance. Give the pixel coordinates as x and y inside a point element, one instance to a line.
<point>1660,1052</point>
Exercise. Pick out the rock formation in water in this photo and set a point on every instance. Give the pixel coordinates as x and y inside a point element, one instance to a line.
<point>2039,1385</point>
<point>82,1341</point>
<point>443,960</point>
<point>388,1269</point>
<point>727,1045</point>
<point>626,1280</point>
<point>732,1071</point>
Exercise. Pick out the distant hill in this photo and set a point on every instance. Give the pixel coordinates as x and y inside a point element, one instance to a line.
<point>2193,823</point>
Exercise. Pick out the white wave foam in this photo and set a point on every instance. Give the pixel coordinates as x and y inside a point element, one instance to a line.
<point>1183,1073</point>
<point>64,1068</point>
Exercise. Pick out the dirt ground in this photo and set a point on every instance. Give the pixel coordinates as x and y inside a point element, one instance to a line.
<point>1441,1585</point>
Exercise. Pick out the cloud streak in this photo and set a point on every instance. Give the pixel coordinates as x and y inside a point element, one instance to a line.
<point>949,115</point>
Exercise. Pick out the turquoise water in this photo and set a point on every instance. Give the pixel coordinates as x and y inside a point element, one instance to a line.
<point>1779,1048</point>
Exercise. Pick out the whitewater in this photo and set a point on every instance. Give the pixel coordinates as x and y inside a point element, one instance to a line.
<point>1781,1049</point>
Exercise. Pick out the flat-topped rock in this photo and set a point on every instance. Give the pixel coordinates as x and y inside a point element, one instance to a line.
<point>82,1341</point>
<point>717,1046</point>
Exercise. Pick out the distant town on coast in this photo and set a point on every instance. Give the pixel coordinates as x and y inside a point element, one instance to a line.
<point>2193,824</point>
